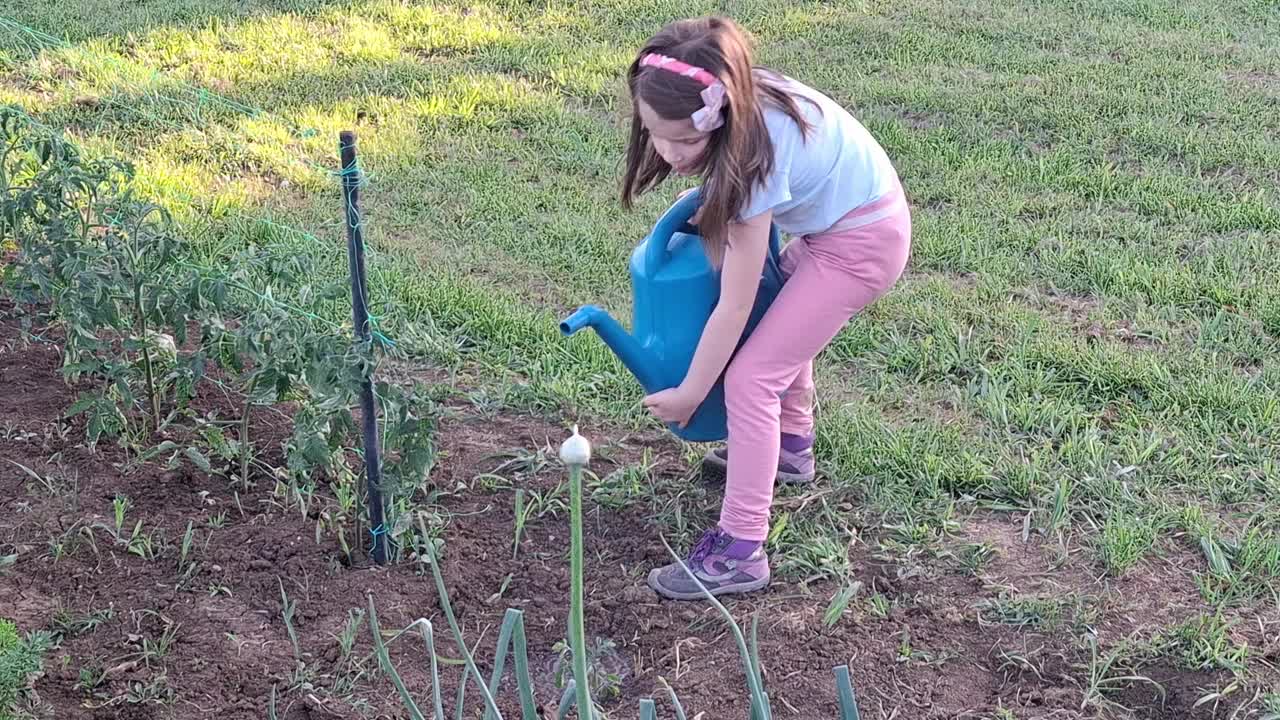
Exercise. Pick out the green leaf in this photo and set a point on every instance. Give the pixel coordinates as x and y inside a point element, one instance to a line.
<point>199,459</point>
<point>840,601</point>
<point>81,367</point>
<point>84,403</point>
<point>164,447</point>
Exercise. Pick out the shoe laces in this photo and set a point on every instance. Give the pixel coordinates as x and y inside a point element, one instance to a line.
<point>705,546</point>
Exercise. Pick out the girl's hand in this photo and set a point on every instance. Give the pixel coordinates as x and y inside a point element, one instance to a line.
<point>697,215</point>
<point>674,405</point>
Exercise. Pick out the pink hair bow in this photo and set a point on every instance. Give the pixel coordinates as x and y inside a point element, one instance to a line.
<point>708,117</point>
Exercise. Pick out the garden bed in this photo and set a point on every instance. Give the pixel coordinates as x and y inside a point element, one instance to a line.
<point>137,635</point>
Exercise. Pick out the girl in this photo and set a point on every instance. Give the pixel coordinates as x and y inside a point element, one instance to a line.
<point>769,150</point>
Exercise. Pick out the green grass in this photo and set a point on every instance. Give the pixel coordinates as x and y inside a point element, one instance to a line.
<point>1088,331</point>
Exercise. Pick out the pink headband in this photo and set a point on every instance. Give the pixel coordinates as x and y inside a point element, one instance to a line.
<point>708,117</point>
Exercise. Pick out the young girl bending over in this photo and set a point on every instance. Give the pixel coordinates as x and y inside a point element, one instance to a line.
<point>769,150</point>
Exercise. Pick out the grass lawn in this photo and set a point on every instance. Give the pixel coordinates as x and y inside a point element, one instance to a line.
<point>1081,358</point>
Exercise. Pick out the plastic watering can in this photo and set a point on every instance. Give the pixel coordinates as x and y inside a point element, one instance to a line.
<point>674,289</point>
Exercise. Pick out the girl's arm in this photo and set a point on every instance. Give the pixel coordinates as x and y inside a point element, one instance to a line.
<point>739,282</point>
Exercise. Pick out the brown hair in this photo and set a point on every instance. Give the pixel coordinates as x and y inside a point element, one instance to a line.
<point>739,154</point>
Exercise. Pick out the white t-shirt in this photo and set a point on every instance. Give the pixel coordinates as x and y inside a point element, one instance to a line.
<point>819,179</point>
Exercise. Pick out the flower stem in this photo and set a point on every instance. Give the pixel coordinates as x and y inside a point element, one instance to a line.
<point>577,624</point>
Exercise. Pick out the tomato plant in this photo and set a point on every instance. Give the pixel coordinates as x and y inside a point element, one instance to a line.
<point>115,273</point>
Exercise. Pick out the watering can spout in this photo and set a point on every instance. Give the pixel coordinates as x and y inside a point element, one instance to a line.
<point>635,356</point>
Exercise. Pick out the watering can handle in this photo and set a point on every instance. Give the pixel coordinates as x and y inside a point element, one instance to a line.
<point>676,220</point>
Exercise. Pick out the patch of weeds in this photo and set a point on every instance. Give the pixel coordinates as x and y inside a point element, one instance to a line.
<point>1239,571</point>
<point>486,402</point>
<point>63,483</point>
<point>625,486</point>
<point>1043,613</point>
<point>66,544</point>
<point>548,503</point>
<point>187,564</point>
<point>289,609</point>
<point>91,676</point>
<point>1205,643</point>
<point>908,543</point>
<point>521,514</point>
<point>1191,519</point>
<point>350,671</point>
<point>1003,713</point>
<point>522,462</point>
<point>152,647</point>
<point>1108,672</point>
<point>136,542</point>
<point>154,689</point>
<point>1056,511</point>
<point>20,659</point>
<point>816,557</point>
<point>974,557</point>
<point>908,653</point>
<point>1125,539</point>
<point>605,669</point>
<point>70,623</point>
<point>1017,661</point>
<point>880,606</point>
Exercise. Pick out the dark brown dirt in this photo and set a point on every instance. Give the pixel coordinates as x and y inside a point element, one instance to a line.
<point>932,656</point>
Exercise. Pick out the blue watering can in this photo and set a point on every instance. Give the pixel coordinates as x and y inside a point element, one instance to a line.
<point>675,288</point>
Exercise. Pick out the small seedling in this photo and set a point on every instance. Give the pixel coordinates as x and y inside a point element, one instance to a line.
<point>347,640</point>
<point>288,609</point>
<point>119,507</point>
<point>144,545</point>
<point>880,606</point>
<point>187,565</point>
<point>605,683</point>
<point>502,589</point>
<point>92,675</point>
<point>840,602</point>
<point>69,541</point>
<point>521,516</point>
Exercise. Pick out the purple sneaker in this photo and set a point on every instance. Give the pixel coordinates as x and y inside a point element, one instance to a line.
<point>723,565</point>
<point>795,461</point>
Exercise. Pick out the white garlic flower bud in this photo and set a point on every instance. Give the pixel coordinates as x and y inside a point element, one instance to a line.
<point>576,450</point>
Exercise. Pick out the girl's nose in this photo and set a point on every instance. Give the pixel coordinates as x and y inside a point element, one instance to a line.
<point>666,152</point>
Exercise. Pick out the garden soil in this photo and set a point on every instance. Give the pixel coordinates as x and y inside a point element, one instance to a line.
<point>134,642</point>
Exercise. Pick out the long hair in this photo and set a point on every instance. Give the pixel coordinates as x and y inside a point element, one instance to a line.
<point>739,154</point>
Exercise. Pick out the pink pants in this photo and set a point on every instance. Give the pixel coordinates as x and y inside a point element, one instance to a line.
<point>769,383</point>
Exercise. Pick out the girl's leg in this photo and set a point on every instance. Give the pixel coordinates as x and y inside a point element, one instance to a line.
<point>797,404</point>
<point>817,301</point>
<point>836,276</point>
<point>795,462</point>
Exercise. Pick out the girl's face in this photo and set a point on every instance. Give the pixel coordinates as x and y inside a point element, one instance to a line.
<point>677,141</point>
